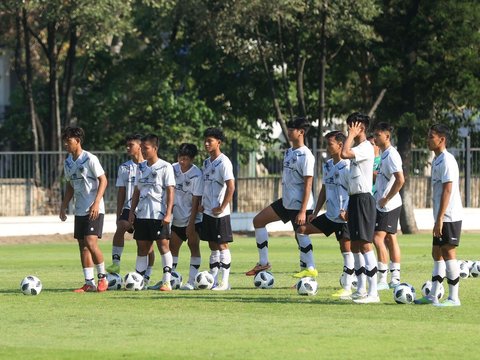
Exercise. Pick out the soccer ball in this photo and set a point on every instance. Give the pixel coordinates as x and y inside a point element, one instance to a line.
<point>264,280</point>
<point>427,287</point>
<point>469,265</point>
<point>133,281</point>
<point>404,293</point>
<point>464,270</point>
<point>307,286</point>
<point>31,285</point>
<point>176,280</point>
<point>475,269</point>
<point>204,281</point>
<point>115,281</point>
<point>354,280</point>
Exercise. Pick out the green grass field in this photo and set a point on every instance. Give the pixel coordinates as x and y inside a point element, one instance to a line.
<point>244,323</point>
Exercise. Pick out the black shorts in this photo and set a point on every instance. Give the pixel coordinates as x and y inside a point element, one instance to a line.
<point>84,226</point>
<point>286,215</point>
<point>150,230</point>
<point>450,234</point>
<point>124,215</point>
<point>181,231</point>
<point>218,230</point>
<point>327,226</point>
<point>361,217</point>
<point>388,221</point>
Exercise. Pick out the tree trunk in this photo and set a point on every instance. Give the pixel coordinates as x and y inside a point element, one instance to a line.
<point>284,71</point>
<point>68,84</point>
<point>55,124</point>
<point>323,69</point>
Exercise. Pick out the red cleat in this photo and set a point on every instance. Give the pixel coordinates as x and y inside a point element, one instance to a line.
<point>102,285</point>
<point>86,288</point>
<point>257,268</point>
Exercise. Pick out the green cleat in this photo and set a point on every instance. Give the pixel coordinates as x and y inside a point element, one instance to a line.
<point>114,268</point>
<point>342,293</point>
<point>426,300</point>
<point>313,273</point>
<point>157,286</point>
<point>448,303</point>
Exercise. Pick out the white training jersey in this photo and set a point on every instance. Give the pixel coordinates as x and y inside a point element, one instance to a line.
<point>83,175</point>
<point>361,169</point>
<point>188,185</point>
<point>336,192</point>
<point>126,178</point>
<point>152,182</point>
<point>390,163</point>
<point>297,164</point>
<point>445,169</point>
<point>215,175</point>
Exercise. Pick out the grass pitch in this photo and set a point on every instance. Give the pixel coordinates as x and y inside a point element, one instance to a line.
<point>244,323</point>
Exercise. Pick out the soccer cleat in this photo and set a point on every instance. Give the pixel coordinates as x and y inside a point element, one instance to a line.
<point>86,288</point>
<point>367,300</point>
<point>425,300</point>
<point>221,287</point>
<point>342,293</point>
<point>187,286</point>
<point>448,303</point>
<point>257,268</point>
<point>165,287</point>
<point>382,286</point>
<point>306,273</point>
<point>146,280</point>
<point>157,286</point>
<point>355,296</point>
<point>114,268</point>
<point>394,283</point>
<point>102,285</point>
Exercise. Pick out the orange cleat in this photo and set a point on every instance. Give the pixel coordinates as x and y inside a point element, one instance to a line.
<point>257,268</point>
<point>102,284</point>
<point>86,288</point>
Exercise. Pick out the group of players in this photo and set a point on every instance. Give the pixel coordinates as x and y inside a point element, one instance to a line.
<point>170,204</point>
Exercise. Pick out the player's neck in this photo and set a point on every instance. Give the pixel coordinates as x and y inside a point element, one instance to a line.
<point>298,143</point>
<point>336,158</point>
<point>137,158</point>
<point>439,150</point>
<point>385,146</point>
<point>152,161</point>
<point>76,153</point>
<point>184,169</point>
<point>214,154</point>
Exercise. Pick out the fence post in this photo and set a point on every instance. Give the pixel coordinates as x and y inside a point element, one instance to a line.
<point>315,154</point>
<point>235,172</point>
<point>468,170</point>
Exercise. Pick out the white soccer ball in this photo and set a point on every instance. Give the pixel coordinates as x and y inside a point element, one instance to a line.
<point>204,281</point>
<point>464,270</point>
<point>31,285</point>
<point>133,281</point>
<point>427,287</point>
<point>115,281</point>
<point>307,286</point>
<point>264,280</point>
<point>469,265</point>
<point>404,293</point>
<point>475,269</point>
<point>176,280</point>
<point>342,280</point>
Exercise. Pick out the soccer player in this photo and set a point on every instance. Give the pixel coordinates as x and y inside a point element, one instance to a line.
<point>388,183</point>
<point>218,189</point>
<point>335,194</point>
<point>152,204</point>
<point>361,207</point>
<point>187,220</point>
<point>296,202</point>
<point>376,160</point>
<point>447,212</point>
<point>87,183</point>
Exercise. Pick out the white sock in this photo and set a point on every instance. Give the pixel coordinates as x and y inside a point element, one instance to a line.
<point>175,262</point>
<point>348,270</point>
<point>214,263</point>
<point>360,272</point>
<point>100,270</point>
<point>453,278</point>
<point>438,274</point>
<point>306,250</point>
<point>382,272</point>
<point>261,236</point>
<point>89,276</point>
<point>194,266</point>
<point>371,272</point>
<point>149,271</point>
<point>167,264</point>
<point>395,271</point>
<point>117,252</point>
<point>141,264</point>
<point>225,261</point>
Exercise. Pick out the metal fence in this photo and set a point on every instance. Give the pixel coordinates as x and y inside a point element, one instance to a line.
<point>27,189</point>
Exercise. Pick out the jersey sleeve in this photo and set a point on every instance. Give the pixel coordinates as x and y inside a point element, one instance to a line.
<point>449,171</point>
<point>363,151</point>
<point>227,171</point>
<point>121,178</point>
<point>394,164</point>
<point>308,168</point>
<point>198,185</point>
<point>96,167</point>
<point>169,176</point>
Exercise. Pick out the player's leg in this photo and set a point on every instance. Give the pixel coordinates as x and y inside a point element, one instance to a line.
<point>393,247</point>
<point>176,241</point>
<point>193,242</point>
<point>167,263</point>
<point>366,249</point>
<point>346,278</point>
<point>118,242</point>
<point>359,266</point>
<point>224,272</point>
<point>260,221</point>
<point>87,266</point>
<point>452,273</point>
<point>306,249</point>
<point>208,233</point>
<point>382,259</point>
<point>222,233</point>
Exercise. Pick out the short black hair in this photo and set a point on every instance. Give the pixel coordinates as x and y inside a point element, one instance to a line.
<point>73,132</point>
<point>186,149</point>
<point>216,133</point>
<point>152,139</point>
<point>133,137</point>
<point>299,123</point>
<point>358,117</point>
<point>383,126</point>
<point>338,135</point>
<point>442,130</point>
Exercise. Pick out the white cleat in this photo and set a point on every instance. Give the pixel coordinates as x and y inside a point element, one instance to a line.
<point>368,300</point>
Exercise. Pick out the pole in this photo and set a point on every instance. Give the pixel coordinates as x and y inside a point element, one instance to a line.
<point>468,170</point>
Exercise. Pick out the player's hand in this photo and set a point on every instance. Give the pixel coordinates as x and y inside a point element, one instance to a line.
<point>437,229</point>
<point>200,208</point>
<point>311,217</point>
<point>167,219</point>
<point>301,218</point>
<point>382,202</point>
<point>217,210</point>
<point>94,211</point>
<point>62,215</point>
<point>343,215</point>
<point>355,128</point>
<point>131,217</point>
